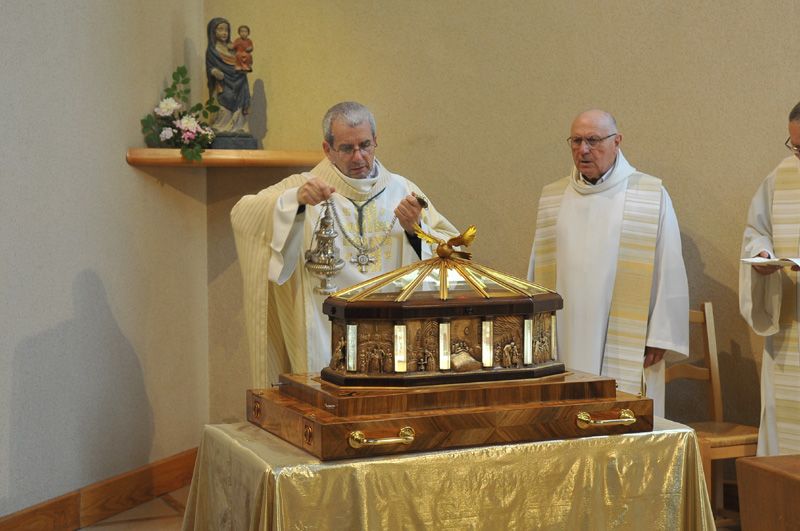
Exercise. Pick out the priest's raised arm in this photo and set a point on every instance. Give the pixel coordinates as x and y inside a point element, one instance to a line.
<point>373,210</point>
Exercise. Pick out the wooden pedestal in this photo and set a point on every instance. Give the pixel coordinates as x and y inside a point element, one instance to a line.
<point>769,492</point>
<point>336,422</point>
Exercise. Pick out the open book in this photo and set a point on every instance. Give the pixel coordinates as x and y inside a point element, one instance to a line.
<point>780,262</point>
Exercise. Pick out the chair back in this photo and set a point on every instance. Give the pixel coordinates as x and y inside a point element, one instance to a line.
<point>709,372</point>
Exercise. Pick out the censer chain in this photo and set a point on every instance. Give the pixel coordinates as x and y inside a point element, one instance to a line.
<point>361,248</point>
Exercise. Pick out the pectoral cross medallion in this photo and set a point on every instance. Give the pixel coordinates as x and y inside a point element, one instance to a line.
<point>363,260</point>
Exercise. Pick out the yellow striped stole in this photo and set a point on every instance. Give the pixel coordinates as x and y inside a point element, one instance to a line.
<point>545,236</point>
<point>630,300</point>
<point>786,343</point>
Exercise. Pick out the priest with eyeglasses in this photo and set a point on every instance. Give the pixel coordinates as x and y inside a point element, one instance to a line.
<point>607,240</point>
<point>768,296</point>
<point>374,213</point>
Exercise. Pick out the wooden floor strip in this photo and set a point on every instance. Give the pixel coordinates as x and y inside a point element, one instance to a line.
<point>175,504</point>
<point>106,498</point>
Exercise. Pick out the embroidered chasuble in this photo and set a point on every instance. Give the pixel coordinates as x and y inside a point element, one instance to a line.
<point>287,331</point>
<point>612,250</point>
<point>769,304</point>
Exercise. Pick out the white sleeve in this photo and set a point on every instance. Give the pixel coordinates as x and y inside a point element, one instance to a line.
<point>668,325</point>
<point>760,295</point>
<point>287,236</point>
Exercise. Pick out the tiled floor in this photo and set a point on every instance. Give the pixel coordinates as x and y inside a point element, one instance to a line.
<point>162,514</point>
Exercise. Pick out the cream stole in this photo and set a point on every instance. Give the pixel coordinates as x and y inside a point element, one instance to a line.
<point>630,302</point>
<point>786,346</point>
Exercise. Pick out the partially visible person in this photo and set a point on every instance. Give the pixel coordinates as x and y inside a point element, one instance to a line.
<point>375,214</point>
<point>607,240</point>
<point>768,297</point>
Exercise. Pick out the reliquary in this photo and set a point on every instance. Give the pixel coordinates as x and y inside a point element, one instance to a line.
<point>442,353</point>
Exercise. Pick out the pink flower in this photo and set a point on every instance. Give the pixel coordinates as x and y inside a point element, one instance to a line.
<point>187,136</point>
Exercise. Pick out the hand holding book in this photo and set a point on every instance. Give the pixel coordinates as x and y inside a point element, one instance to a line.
<point>765,265</point>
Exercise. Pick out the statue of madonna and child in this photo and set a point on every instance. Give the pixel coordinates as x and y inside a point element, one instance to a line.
<point>227,65</point>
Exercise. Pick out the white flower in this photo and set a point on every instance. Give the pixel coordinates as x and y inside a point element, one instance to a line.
<point>166,133</point>
<point>167,106</point>
<point>188,123</point>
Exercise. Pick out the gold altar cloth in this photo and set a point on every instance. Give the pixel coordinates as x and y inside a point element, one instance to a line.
<point>246,478</point>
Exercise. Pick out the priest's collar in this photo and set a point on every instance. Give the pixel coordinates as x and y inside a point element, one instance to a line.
<point>618,173</point>
<point>602,177</point>
<point>355,189</point>
<point>364,184</point>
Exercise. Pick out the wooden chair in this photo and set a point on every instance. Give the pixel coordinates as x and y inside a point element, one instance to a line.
<point>717,439</point>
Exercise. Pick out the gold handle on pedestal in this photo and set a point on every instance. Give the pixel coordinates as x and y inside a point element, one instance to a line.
<point>357,439</point>
<point>585,420</point>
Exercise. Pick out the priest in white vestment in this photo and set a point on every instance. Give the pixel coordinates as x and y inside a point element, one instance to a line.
<point>607,240</point>
<point>374,211</point>
<point>768,297</point>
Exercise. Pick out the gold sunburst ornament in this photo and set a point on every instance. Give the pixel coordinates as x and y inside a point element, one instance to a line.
<point>450,271</point>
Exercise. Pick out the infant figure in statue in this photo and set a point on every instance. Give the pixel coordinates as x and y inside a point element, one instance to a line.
<point>243,47</point>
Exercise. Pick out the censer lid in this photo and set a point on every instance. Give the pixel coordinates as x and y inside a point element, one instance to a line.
<point>450,275</point>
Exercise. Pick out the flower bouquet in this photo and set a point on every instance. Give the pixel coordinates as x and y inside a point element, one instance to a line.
<point>174,124</point>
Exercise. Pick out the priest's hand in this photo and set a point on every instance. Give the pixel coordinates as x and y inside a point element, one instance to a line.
<point>408,212</point>
<point>653,355</point>
<point>314,191</point>
<point>766,269</point>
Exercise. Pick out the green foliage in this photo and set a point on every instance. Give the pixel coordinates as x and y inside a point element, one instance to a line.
<point>192,153</point>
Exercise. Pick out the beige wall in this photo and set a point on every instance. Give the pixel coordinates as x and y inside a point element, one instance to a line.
<point>121,291</point>
<point>474,100</point>
<point>103,299</point>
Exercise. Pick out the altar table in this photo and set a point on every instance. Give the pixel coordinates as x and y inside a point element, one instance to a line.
<point>248,479</point>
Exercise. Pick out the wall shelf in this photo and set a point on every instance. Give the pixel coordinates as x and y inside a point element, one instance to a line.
<point>228,158</point>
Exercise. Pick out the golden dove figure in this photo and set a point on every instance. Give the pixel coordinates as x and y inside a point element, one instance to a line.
<point>445,248</point>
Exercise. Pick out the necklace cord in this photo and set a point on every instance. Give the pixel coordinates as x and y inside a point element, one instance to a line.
<point>362,248</point>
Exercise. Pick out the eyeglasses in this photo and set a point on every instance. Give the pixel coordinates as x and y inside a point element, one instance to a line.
<point>791,147</point>
<point>593,141</point>
<point>367,146</point>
